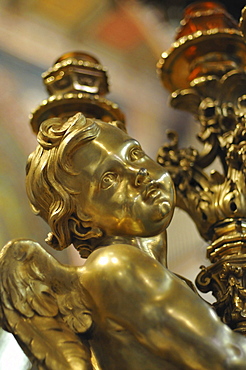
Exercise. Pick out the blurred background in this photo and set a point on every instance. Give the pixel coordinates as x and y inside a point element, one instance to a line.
<point>128,37</point>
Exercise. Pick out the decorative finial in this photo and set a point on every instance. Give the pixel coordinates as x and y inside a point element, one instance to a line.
<point>208,42</point>
<point>77,82</point>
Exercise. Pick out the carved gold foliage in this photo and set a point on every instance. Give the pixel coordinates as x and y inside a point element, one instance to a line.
<point>226,279</point>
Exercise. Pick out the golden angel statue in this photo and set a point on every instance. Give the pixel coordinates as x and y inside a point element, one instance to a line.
<point>123,309</point>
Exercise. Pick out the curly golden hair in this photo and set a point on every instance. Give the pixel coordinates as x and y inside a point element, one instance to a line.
<point>49,190</point>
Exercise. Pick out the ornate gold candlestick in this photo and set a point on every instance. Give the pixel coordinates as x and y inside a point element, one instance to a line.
<point>205,70</point>
<point>97,189</point>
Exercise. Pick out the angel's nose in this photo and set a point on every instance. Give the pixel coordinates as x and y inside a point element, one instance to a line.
<point>142,177</point>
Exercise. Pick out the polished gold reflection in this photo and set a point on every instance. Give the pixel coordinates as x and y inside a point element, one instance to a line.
<point>123,309</point>
<point>115,190</point>
<point>211,86</point>
<point>97,189</point>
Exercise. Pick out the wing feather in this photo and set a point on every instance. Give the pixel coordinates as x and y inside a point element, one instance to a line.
<point>41,303</point>
<point>41,338</point>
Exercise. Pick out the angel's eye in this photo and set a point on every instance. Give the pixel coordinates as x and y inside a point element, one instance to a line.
<point>108,180</point>
<point>136,153</point>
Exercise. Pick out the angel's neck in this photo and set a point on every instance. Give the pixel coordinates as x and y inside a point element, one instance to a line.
<point>154,246</point>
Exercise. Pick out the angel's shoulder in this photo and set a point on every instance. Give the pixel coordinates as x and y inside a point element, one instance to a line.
<point>114,265</point>
<point>114,256</point>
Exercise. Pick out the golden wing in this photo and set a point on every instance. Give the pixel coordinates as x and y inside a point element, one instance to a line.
<point>41,303</point>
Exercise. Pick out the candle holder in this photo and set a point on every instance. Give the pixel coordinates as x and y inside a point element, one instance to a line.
<point>205,70</point>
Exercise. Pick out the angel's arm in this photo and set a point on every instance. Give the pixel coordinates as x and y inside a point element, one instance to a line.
<point>160,311</point>
<point>36,306</point>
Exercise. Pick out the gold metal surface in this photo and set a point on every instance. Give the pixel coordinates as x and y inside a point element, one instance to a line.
<point>97,189</point>
<point>77,82</point>
<point>213,89</point>
<point>208,40</point>
<point>95,170</point>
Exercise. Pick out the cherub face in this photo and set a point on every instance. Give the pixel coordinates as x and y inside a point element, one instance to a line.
<point>122,190</point>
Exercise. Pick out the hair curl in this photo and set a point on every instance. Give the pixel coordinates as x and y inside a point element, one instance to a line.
<point>48,171</point>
